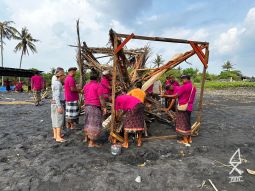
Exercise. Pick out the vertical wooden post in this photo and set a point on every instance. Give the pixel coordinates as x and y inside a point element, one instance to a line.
<point>79,62</point>
<point>200,106</point>
<point>114,76</point>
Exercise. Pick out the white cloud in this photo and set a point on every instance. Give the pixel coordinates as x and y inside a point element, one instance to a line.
<point>53,22</point>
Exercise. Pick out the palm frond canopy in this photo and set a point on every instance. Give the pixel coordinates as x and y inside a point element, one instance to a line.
<point>7,30</point>
<point>26,42</point>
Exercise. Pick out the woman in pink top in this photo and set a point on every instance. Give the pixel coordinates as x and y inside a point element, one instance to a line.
<point>106,84</point>
<point>171,83</point>
<point>186,95</point>
<point>93,110</point>
<point>134,116</point>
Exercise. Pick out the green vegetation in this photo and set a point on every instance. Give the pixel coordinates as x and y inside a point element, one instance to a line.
<point>223,85</point>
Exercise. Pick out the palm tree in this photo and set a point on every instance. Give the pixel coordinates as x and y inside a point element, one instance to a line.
<point>158,61</point>
<point>227,66</point>
<point>25,44</point>
<point>6,31</point>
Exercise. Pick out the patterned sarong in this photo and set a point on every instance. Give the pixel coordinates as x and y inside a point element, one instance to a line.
<point>37,96</point>
<point>72,110</point>
<point>93,121</point>
<point>183,125</point>
<point>134,119</point>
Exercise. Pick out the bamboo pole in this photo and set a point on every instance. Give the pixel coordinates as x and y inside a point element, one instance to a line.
<point>200,106</point>
<point>161,39</point>
<point>80,64</point>
<point>114,76</point>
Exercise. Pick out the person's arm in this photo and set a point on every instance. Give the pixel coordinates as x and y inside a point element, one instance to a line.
<point>73,86</point>
<point>103,104</point>
<point>170,106</point>
<point>160,88</point>
<point>170,96</point>
<point>32,85</point>
<point>57,92</point>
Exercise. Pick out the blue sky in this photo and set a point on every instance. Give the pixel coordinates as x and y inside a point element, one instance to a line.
<point>229,27</point>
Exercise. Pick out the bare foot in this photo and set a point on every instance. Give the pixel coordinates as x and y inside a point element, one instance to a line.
<point>182,142</point>
<point>139,144</point>
<point>60,140</point>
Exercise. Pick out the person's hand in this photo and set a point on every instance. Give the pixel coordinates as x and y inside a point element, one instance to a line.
<point>164,109</point>
<point>104,111</point>
<point>162,95</point>
<point>60,110</point>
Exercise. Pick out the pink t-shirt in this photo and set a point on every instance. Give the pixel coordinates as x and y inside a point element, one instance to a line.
<point>126,102</point>
<point>174,84</point>
<point>37,83</point>
<point>69,95</point>
<point>92,91</point>
<point>105,83</point>
<point>185,95</point>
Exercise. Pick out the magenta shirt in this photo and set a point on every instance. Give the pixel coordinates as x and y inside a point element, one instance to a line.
<point>69,95</point>
<point>174,84</point>
<point>37,83</point>
<point>105,83</point>
<point>184,93</point>
<point>126,102</point>
<point>92,91</point>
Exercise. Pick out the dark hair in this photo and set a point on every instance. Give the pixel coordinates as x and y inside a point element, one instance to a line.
<point>37,72</point>
<point>139,84</point>
<point>185,77</point>
<point>167,87</point>
<point>72,69</point>
<point>94,75</point>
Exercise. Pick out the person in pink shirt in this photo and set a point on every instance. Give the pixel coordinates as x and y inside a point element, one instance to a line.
<point>106,84</point>
<point>37,86</point>
<point>172,103</point>
<point>94,109</point>
<point>170,84</point>
<point>186,97</point>
<point>71,98</point>
<point>133,109</point>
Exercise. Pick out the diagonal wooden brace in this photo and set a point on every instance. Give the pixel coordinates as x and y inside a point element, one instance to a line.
<point>123,43</point>
<point>199,53</point>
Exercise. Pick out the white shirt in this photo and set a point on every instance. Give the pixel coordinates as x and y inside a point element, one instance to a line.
<point>157,87</point>
<point>53,79</point>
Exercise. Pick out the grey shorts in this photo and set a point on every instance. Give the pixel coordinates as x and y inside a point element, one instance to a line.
<point>57,118</point>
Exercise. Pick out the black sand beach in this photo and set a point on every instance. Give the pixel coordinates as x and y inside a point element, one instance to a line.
<point>31,160</point>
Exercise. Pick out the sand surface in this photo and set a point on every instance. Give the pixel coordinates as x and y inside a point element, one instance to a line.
<point>31,160</point>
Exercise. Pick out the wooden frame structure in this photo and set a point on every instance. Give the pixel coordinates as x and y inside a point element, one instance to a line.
<point>120,61</point>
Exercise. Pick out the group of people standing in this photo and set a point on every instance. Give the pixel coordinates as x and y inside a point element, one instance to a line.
<point>129,106</point>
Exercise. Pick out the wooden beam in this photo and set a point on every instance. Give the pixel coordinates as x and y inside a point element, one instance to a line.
<point>79,62</point>
<point>200,106</point>
<point>199,53</point>
<point>161,39</point>
<point>114,76</point>
<point>117,136</point>
<point>123,43</point>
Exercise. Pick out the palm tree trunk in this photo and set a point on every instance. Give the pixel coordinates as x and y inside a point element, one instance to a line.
<point>20,61</point>
<point>2,57</point>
